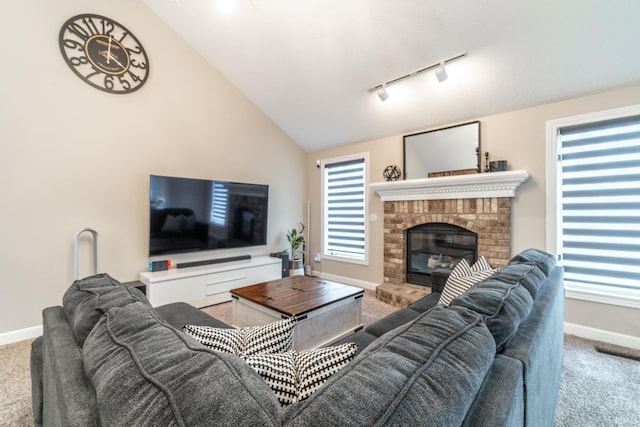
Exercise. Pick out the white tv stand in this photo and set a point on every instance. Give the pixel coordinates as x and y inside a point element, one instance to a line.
<point>208,284</point>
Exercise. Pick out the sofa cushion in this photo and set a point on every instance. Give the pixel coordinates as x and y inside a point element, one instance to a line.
<point>425,303</point>
<point>426,372</point>
<point>88,299</point>
<point>528,275</point>
<point>144,371</point>
<point>503,306</point>
<point>294,376</point>
<point>362,339</point>
<point>392,321</point>
<point>543,260</point>
<point>274,337</point>
<point>463,277</point>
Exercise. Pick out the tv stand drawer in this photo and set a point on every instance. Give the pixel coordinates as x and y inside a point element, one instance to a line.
<point>210,284</point>
<point>219,292</point>
<point>226,276</point>
<point>190,289</point>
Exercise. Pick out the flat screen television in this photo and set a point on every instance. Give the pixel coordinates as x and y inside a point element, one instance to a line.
<point>190,215</point>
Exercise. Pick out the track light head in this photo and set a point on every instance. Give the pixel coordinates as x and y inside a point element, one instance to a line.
<point>382,93</point>
<point>441,73</point>
<point>438,68</point>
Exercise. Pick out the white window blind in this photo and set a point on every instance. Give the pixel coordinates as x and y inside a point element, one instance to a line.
<point>600,187</point>
<point>345,209</point>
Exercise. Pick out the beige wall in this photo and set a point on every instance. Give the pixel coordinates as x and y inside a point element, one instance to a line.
<point>72,156</point>
<point>520,138</point>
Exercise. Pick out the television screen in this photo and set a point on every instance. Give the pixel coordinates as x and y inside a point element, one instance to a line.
<point>188,215</point>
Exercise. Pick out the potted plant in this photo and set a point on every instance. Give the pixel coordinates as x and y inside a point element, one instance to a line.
<point>296,240</point>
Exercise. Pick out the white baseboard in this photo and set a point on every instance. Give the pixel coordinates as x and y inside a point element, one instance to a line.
<point>20,335</point>
<point>347,280</point>
<point>602,335</point>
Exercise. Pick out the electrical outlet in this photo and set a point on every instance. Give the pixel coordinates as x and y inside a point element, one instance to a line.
<point>316,257</point>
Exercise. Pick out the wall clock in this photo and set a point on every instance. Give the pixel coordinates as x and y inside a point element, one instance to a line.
<point>104,54</point>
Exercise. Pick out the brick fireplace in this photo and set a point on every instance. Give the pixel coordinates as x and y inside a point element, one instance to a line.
<point>478,203</point>
<point>489,218</point>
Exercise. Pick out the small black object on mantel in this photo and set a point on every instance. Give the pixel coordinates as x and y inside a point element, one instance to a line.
<point>494,165</point>
<point>392,173</point>
<point>497,166</point>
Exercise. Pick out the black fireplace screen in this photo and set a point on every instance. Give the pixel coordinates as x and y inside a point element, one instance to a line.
<point>437,246</point>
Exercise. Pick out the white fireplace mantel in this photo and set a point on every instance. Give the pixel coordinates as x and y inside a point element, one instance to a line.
<point>475,186</point>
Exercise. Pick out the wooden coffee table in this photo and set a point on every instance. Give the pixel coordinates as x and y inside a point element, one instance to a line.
<point>325,311</point>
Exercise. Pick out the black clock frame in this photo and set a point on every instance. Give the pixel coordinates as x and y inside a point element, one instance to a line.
<point>104,53</point>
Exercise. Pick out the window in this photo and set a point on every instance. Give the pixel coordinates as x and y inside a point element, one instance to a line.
<point>344,199</point>
<point>598,206</point>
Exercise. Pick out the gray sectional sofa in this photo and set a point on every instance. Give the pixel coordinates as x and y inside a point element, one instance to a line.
<point>492,358</point>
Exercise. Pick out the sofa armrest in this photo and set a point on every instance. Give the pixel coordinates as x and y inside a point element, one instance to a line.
<point>499,401</point>
<point>68,397</point>
<point>538,344</point>
<point>36,380</point>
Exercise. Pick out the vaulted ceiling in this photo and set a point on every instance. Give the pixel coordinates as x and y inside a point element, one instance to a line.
<point>308,64</point>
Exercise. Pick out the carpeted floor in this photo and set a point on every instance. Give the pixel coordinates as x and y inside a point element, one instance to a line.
<point>597,388</point>
<point>15,385</point>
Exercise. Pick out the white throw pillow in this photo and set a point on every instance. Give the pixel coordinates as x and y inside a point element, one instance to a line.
<point>463,277</point>
<point>294,376</point>
<point>275,337</point>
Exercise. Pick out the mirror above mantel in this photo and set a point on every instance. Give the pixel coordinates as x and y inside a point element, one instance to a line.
<point>453,150</point>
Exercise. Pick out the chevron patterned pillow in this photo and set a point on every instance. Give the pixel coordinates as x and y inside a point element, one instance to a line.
<point>275,337</point>
<point>294,376</point>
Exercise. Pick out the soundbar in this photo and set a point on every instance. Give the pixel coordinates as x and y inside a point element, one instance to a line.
<point>212,261</point>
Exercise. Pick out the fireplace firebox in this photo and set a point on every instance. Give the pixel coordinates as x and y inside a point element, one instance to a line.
<point>436,246</point>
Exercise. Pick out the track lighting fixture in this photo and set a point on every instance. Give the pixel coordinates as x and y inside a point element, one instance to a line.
<point>382,92</point>
<point>440,72</point>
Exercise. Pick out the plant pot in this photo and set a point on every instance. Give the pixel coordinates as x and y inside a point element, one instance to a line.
<point>296,268</point>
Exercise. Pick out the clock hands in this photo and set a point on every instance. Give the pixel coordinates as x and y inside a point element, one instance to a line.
<point>109,56</point>
<point>109,49</point>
